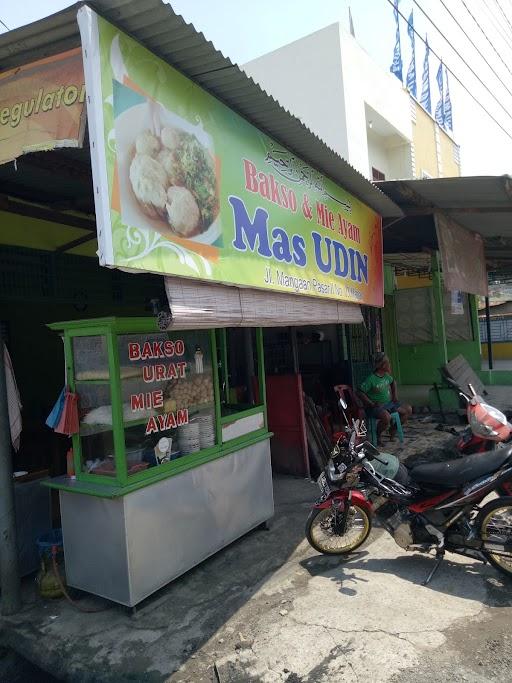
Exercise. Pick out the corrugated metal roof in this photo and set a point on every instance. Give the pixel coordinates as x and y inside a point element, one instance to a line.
<point>482,204</point>
<point>465,192</point>
<point>166,33</point>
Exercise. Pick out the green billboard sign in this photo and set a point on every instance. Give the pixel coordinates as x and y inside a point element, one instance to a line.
<point>187,187</point>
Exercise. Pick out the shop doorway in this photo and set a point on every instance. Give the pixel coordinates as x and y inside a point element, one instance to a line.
<point>302,365</point>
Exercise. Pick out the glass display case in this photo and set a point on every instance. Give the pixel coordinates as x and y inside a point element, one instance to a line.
<point>172,457</point>
<point>153,402</point>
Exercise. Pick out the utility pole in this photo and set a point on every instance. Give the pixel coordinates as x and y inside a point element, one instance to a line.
<point>9,569</point>
<point>489,338</point>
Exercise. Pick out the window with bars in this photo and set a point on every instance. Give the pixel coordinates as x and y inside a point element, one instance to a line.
<point>501,330</point>
<point>414,316</point>
<point>33,275</point>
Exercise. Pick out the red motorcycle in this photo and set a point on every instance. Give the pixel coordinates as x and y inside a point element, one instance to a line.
<point>487,426</point>
<point>488,429</point>
<point>428,507</point>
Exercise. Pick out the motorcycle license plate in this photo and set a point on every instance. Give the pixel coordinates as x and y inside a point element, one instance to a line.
<point>323,485</point>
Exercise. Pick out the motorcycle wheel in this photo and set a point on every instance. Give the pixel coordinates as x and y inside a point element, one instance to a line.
<point>323,538</point>
<point>494,522</point>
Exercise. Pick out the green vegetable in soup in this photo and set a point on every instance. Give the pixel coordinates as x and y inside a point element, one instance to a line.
<point>195,170</point>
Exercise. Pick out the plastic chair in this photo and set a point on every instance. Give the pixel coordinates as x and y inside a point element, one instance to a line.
<point>372,427</point>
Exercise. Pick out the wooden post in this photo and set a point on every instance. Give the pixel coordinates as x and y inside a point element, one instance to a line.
<point>438,292</point>
<point>9,568</point>
<point>249,360</point>
<point>295,350</point>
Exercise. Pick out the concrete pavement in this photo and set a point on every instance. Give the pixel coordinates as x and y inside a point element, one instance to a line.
<point>270,609</point>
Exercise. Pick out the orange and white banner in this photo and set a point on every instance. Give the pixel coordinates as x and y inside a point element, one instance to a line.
<point>42,105</point>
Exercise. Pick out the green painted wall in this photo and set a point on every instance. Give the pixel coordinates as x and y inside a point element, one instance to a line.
<point>496,377</point>
<point>389,335</point>
<point>419,364</point>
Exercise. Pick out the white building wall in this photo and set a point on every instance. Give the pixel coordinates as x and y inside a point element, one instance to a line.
<point>401,162</point>
<point>394,161</point>
<point>377,155</point>
<point>374,95</point>
<point>305,77</point>
<point>334,87</point>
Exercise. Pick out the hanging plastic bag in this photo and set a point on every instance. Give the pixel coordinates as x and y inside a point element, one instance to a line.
<point>53,418</point>
<point>72,421</point>
<point>68,423</point>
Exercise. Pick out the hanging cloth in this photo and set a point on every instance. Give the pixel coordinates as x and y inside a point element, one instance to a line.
<point>13,401</point>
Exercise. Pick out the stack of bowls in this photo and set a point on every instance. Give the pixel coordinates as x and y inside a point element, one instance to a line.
<point>188,438</point>
<point>206,430</point>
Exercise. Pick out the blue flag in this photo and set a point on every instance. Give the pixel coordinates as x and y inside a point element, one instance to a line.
<point>447,105</point>
<point>440,105</point>
<point>411,71</point>
<point>425,83</point>
<point>396,66</point>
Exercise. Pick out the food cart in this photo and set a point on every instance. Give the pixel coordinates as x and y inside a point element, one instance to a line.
<point>171,463</point>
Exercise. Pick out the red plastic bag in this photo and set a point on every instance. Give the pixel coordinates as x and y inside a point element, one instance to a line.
<point>69,423</point>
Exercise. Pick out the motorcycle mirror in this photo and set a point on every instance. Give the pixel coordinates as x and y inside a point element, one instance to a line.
<point>370,448</point>
<point>343,403</point>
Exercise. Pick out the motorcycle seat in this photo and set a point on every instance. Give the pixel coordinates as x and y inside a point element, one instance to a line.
<point>461,471</point>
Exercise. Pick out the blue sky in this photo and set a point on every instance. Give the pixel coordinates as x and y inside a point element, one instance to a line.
<point>244,30</point>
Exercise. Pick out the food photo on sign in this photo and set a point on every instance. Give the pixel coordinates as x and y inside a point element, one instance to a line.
<point>167,170</point>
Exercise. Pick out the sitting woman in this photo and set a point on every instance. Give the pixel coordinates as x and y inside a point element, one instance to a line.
<point>378,394</point>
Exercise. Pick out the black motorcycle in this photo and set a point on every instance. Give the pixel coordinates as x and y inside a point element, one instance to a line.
<point>428,507</point>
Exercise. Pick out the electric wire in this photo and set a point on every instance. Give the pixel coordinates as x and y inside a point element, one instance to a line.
<point>503,13</point>
<point>505,109</point>
<point>476,47</point>
<point>485,35</point>
<point>497,26</point>
<point>463,86</point>
<point>4,25</point>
